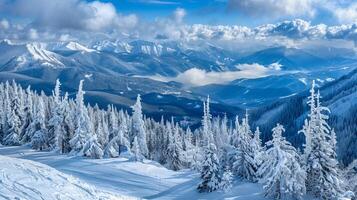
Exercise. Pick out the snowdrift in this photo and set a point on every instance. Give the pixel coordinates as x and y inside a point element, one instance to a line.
<point>24,179</point>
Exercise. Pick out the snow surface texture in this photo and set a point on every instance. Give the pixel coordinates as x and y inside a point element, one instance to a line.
<point>148,180</point>
<point>24,179</point>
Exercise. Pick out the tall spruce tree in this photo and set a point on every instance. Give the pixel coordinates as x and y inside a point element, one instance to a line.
<point>321,165</point>
<point>244,163</point>
<point>139,126</point>
<point>40,139</point>
<point>56,129</point>
<point>83,129</point>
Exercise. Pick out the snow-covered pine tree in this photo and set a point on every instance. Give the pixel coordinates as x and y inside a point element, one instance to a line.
<point>159,143</point>
<point>14,121</point>
<point>174,151</point>
<point>244,163</point>
<point>92,147</point>
<point>207,135</point>
<point>3,113</point>
<point>82,124</point>
<point>68,124</point>
<point>351,176</point>
<point>56,129</point>
<point>13,135</point>
<point>137,156</point>
<point>224,136</point>
<point>188,147</point>
<point>6,109</point>
<point>197,157</point>
<point>321,165</point>
<point>235,139</point>
<point>307,128</point>
<point>281,172</point>
<point>210,173</point>
<point>2,108</point>
<point>28,116</point>
<point>258,149</point>
<point>226,180</point>
<point>40,140</point>
<point>333,142</point>
<point>117,144</point>
<point>138,126</point>
<point>105,122</point>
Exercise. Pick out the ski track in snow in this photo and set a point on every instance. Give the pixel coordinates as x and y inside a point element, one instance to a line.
<point>148,180</point>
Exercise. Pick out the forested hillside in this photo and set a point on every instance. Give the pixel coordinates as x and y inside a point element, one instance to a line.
<point>339,96</point>
<point>220,150</point>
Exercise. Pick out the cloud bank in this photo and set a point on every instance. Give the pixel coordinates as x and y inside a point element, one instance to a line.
<point>68,14</point>
<point>95,20</point>
<point>198,77</point>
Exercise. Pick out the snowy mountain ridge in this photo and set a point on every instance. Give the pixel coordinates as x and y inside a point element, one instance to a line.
<point>173,60</point>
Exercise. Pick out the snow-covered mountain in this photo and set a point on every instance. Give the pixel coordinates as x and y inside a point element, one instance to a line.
<point>69,46</point>
<point>119,60</point>
<point>15,57</point>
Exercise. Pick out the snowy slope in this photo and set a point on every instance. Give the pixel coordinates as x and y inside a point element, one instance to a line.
<point>147,180</point>
<point>24,179</point>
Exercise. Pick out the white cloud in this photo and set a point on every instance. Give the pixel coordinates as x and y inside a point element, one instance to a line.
<point>273,8</point>
<point>102,15</point>
<point>284,33</point>
<point>199,77</point>
<point>170,27</point>
<point>32,34</point>
<point>346,14</point>
<point>179,14</point>
<point>69,14</point>
<point>4,24</point>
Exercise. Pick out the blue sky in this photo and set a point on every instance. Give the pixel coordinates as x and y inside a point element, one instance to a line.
<point>205,12</point>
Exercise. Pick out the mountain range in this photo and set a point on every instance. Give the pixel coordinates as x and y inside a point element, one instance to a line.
<point>116,71</point>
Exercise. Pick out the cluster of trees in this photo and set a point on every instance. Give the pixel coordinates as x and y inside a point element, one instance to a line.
<point>65,125</point>
<point>285,172</point>
<point>220,149</point>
